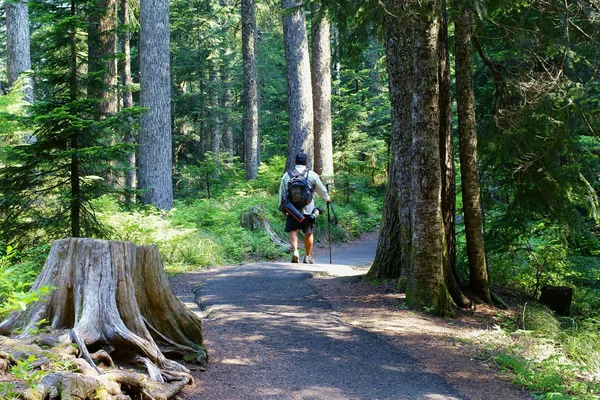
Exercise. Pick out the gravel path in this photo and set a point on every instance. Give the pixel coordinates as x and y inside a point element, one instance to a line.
<point>272,335</point>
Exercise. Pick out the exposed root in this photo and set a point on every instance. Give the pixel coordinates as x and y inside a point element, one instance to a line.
<point>85,354</point>
<point>103,357</point>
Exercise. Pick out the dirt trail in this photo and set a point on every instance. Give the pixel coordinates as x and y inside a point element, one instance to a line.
<point>297,331</point>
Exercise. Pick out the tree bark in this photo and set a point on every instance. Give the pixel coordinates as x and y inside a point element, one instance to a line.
<point>114,295</point>
<point>321,90</point>
<point>251,134</point>
<point>426,286</point>
<point>447,164</point>
<point>76,206</point>
<point>18,58</point>
<point>392,257</point>
<point>300,104</point>
<point>467,135</point>
<point>227,107</point>
<point>127,83</point>
<point>155,142</point>
<point>102,55</point>
<point>216,112</point>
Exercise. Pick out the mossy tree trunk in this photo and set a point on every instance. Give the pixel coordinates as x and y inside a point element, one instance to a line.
<point>114,295</point>
<point>426,286</point>
<point>393,248</point>
<point>467,134</point>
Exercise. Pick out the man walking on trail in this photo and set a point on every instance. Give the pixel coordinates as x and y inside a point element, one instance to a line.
<point>301,182</point>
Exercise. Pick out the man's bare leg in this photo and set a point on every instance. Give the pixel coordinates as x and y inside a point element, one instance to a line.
<point>308,243</point>
<point>294,243</point>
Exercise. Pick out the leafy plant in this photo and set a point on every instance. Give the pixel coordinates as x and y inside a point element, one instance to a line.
<point>16,277</point>
<point>24,370</point>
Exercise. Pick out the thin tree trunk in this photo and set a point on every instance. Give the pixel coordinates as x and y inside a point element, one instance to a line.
<point>426,286</point>
<point>321,89</point>
<point>155,151</point>
<point>127,83</point>
<point>251,134</point>
<point>447,164</point>
<point>467,135</point>
<point>74,140</point>
<point>335,39</point>
<point>216,112</point>
<point>300,104</point>
<point>18,57</point>
<point>227,104</point>
<point>393,253</point>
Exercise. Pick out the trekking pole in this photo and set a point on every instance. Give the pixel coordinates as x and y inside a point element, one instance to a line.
<point>329,226</point>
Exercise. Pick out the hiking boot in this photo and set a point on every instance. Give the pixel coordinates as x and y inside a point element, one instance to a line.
<point>296,257</point>
<point>309,260</point>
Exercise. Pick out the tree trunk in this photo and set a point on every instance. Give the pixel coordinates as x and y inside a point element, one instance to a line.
<point>227,102</point>
<point>18,58</point>
<point>216,112</point>
<point>393,248</point>
<point>447,164</point>
<point>114,295</point>
<point>127,83</point>
<point>155,152</point>
<point>76,206</point>
<point>251,135</point>
<point>321,89</point>
<point>426,286</point>
<point>227,107</point>
<point>300,104</point>
<point>336,58</point>
<point>467,134</point>
<point>102,55</point>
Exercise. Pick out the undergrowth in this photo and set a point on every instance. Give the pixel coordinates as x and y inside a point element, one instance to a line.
<point>199,232</point>
<point>552,359</point>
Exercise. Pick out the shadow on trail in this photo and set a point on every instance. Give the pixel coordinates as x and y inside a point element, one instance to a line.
<point>295,345</point>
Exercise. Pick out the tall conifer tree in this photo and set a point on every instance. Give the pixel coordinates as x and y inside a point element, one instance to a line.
<point>48,185</point>
<point>18,45</point>
<point>300,102</point>
<point>155,151</point>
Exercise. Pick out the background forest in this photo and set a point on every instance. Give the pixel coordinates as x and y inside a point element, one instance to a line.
<point>536,100</point>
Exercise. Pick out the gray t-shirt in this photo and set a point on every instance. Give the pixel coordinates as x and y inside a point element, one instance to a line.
<point>313,178</point>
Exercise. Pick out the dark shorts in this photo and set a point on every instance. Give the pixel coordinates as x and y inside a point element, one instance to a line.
<point>307,225</point>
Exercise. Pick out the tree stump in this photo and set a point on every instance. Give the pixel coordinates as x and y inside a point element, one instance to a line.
<point>557,298</point>
<point>256,218</point>
<point>114,295</point>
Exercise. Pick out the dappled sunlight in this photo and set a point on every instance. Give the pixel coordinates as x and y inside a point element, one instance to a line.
<point>236,361</point>
<point>319,392</point>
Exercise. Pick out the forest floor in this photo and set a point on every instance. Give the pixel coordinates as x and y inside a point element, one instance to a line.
<point>294,331</point>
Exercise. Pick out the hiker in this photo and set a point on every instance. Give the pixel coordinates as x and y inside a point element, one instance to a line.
<point>301,213</point>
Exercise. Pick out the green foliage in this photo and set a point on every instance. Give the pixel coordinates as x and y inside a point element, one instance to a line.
<point>538,118</point>
<point>582,343</point>
<point>8,391</point>
<point>47,184</point>
<point>534,317</point>
<point>200,231</point>
<point>553,359</point>
<point>24,370</point>
<point>548,378</point>
<point>17,274</point>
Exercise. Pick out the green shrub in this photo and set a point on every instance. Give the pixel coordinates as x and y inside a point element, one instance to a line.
<point>538,318</point>
<point>582,343</point>
<point>17,274</point>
